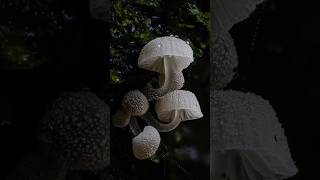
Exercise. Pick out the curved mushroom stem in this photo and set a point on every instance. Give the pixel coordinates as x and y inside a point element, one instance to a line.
<point>162,127</point>
<point>134,126</point>
<point>172,81</point>
<point>121,118</point>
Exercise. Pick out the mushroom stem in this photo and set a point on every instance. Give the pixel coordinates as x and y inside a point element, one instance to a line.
<point>121,118</point>
<point>134,126</point>
<point>162,127</point>
<point>172,81</point>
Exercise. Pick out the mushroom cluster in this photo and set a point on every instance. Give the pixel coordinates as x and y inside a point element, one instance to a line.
<point>248,142</point>
<point>168,56</point>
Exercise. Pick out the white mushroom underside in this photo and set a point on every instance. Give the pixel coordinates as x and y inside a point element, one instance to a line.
<point>179,104</point>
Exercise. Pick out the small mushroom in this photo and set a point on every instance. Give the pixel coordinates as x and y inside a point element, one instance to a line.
<point>247,138</point>
<point>134,103</point>
<point>174,107</point>
<point>146,143</point>
<point>76,127</point>
<point>224,61</point>
<point>167,56</point>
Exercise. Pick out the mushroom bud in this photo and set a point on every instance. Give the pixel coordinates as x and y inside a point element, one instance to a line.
<point>167,56</point>
<point>246,135</point>
<point>134,103</point>
<point>174,107</point>
<point>146,143</point>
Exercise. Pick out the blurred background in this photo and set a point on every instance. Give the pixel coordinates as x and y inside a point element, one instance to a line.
<point>49,47</point>
<point>278,49</point>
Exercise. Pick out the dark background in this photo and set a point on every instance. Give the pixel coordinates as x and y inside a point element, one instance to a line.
<point>283,67</point>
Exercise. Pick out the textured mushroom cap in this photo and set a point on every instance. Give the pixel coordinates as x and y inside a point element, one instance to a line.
<point>165,52</point>
<point>224,60</point>
<point>135,103</point>
<point>78,125</point>
<point>179,104</point>
<point>146,143</point>
<point>229,12</point>
<point>247,124</point>
<point>176,82</point>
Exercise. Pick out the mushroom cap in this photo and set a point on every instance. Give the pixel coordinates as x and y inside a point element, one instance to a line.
<point>179,104</point>
<point>135,103</point>
<point>229,12</point>
<point>224,61</point>
<point>146,143</point>
<point>247,124</point>
<point>176,82</point>
<point>77,126</point>
<point>165,52</point>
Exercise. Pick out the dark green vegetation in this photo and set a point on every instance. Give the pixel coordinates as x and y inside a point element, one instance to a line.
<point>184,152</point>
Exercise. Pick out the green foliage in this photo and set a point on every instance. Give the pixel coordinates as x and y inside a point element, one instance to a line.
<point>135,23</point>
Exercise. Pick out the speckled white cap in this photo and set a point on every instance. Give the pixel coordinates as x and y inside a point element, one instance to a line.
<point>170,52</point>
<point>146,143</point>
<point>178,105</point>
<point>246,124</point>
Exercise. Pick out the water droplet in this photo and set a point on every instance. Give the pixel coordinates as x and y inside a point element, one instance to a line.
<point>159,45</point>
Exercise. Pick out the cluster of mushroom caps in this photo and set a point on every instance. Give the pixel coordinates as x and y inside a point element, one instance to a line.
<point>167,56</point>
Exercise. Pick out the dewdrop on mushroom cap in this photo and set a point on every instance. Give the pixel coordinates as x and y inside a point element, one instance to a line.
<point>167,56</point>
<point>145,144</point>
<point>245,127</point>
<point>167,53</point>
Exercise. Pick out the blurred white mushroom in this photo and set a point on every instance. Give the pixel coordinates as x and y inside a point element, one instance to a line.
<point>225,14</point>
<point>146,143</point>
<point>167,56</point>
<point>248,141</point>
<point>134,103</point>
<point>224,61</point>
<point>174,107</point>
<point>229,12</point>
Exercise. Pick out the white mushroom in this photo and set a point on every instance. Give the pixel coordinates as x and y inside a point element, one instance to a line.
<point>134,103</point>
<point>248,141</point>
<point>167,56</point>
<point>174,107</point>
<point>146,143</point>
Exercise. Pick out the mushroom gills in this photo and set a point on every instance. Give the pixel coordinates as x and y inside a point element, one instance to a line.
<point>160,126</point>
